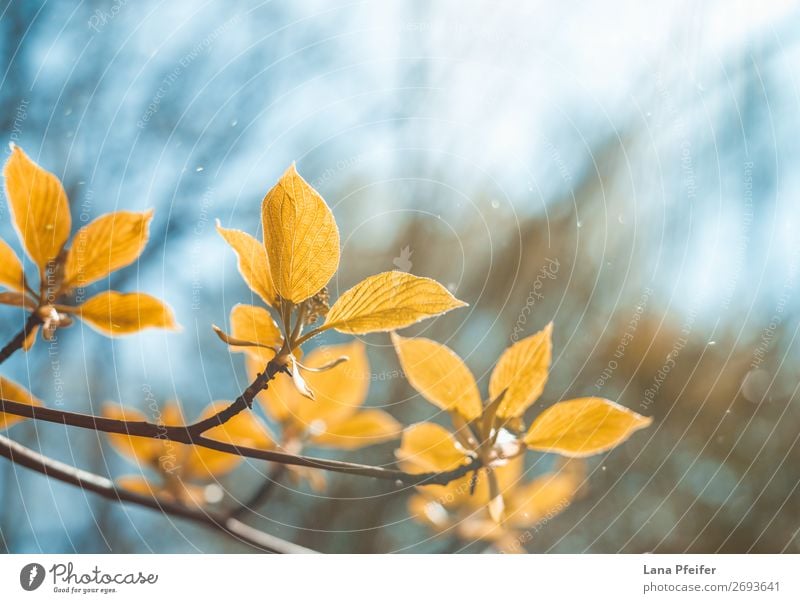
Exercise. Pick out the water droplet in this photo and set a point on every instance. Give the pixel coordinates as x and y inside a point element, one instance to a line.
<point>580,223</point>
<point>621,219</point>
<point>727,412</point>
<point>452,286</point>
<point>495,204</point>
<point>712,342</point>
<point>398,483</point>
<point>234,123</point>
<point>603,467</point>
<point>68,111</point>
<point>199,168</point>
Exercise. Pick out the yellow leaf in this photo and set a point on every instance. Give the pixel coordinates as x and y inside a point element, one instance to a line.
<point>39,206</point>
<point>14,393</point>
<point>437,373</point>
<point>583,427</point>
<point>251,323</point>
<point>11,274</point>
<point>341,390</point>
<point>427,447</point>
<point>113,313</point>
<point>107,244</point>
<point>252,262</point>
<point>364,428</point>
<point>300,236</point>
<point>544,497</point>
<point>522,373</point>
<point>143,451</point>
<point>388,301</point>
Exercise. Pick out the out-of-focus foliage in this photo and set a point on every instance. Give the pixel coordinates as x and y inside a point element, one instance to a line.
<point>625,171</point>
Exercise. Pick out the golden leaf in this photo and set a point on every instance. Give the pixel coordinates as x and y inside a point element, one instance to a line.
<point>39,206</point>
<point>254,324</point>
<point>14,392</point>
<point>107,244</point>
<point>543,497</point>
<point>113,313</point>
<point>300,236</point>
<point>583,427</point>
<point>438,373</point>
<point>389,301</point>
<point>364,428</point>
<point>252,262</point>
<point>11,274</point>
<point>522,373</point>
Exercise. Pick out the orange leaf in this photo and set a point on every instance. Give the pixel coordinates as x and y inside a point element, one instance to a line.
<point>107,244</point>
<point>39,206</point>
<point>113,313</point>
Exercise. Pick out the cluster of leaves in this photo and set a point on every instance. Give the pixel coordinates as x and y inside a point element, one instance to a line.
<point>314,400</point>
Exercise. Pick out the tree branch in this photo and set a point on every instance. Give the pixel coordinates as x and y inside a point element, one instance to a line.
<point>245,400</point>
<point>19,339</point>
<point>183,435</point>
<point>20,455</point>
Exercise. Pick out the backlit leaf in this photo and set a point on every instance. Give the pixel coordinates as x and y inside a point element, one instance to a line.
<point>252,262</point>
<point>11,274</point>
<point>389,301</point>
<point>300,236</point>
<point>107,244</point>
<point>437,373</point>
<point>39,206</point>
<point>542,498</point>
<point>113,313</point>
<point>583,427</point>
<point>428,447</point>
<point>15,393</point>
<point>364,428</point>
<point>255,324</point>
<point>522,373</point>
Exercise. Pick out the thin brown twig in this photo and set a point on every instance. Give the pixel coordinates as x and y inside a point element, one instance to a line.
<point>183,435</point>
<point>19,339</point>
<point>20,455</point>
<point>245,400</point>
